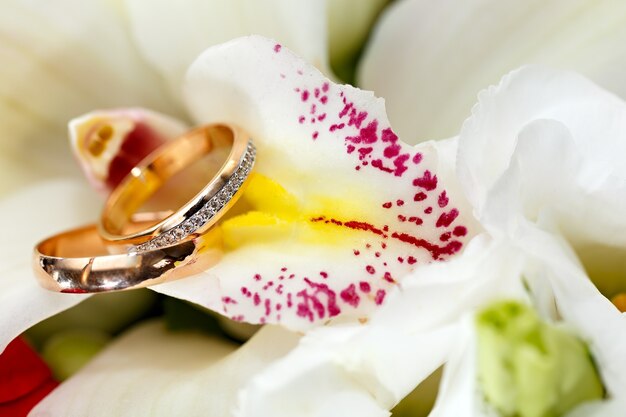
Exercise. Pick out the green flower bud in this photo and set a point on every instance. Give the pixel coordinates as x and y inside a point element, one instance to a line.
<point>528,368</point>
<point>67,352</point>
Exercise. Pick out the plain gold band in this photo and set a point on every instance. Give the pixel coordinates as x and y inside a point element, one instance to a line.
<point>199,213</point>
<point>77,261</point>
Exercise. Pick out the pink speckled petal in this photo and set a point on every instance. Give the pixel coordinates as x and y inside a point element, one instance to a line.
<point>25,221</point>
<point>109,143</point>
<point>385,359</point>
<point>393,207</point>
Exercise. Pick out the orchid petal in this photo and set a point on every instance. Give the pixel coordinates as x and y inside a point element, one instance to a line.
<point>149,368</point>
<point>584,136</point>
<point>457,49</point>
<point>171,35</point>
<point>65,59</point>
<point>25,222</point>
<point>341,209</point>
<point>404,342</point>
<point>459,392</point>
<point>109,143</point>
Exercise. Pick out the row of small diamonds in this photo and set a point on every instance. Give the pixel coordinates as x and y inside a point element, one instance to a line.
<point>210,209</point>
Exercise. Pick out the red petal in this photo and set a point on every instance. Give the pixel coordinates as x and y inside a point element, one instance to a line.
<point>21,371</point>
<point>22,406</point>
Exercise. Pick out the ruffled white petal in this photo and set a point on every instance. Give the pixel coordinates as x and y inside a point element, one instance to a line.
<point>441,54</point>
<point>28,217</point>
<point>152,371</point>
<point>571,166</point>
<point>59,60</point>
<point>172,34</point>
<point>369,209</point>
<point>459,391</point>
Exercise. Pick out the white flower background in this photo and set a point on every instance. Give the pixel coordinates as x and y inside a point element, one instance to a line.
<point>517,106</point>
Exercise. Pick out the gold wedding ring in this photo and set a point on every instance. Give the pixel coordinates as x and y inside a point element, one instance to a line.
<point>77,261</point>
<point>199,213</point>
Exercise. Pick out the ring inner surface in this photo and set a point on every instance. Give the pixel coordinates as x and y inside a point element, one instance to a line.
<point>176,174</point>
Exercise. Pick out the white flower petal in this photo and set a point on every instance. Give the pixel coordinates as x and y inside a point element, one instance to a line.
<point>558,139</point>
<point>27,218</point>
<point>459,393</point>
<point>152,371</point>
<point>66,58</point>
<point>171,35</point>
<point>364,209</point>
<point>405,341</point>
<point>442,53</point>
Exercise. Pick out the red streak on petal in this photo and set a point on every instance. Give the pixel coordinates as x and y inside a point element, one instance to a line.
<point>447,218</point>
<point>387,277</point>
<point>392,150</point>
<point>350,296</point>
<point>460,231</point>
<point>427,181</point>
<point>443,199</point>
<point>436,251</point>
<point>365,286</point>
<point>387,135</point>
<point>380,297</point>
